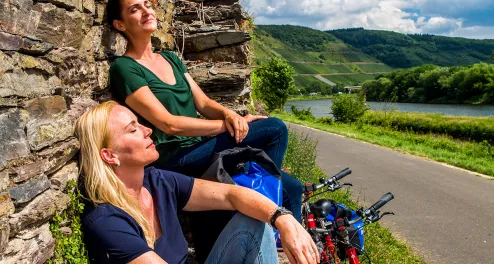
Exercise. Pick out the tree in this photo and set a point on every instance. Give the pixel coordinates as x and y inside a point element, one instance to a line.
<point>492,56</point>
<point>349,108</point>
<point>272,84</point>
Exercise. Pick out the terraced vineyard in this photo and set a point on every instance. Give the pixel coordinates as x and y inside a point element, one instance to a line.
<point>331,58</point>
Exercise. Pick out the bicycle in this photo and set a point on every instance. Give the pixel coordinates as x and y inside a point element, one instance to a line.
<point>333,234</point>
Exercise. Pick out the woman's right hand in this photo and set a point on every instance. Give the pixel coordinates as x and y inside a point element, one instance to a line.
<point>297,243</point>
<point>236,125</point>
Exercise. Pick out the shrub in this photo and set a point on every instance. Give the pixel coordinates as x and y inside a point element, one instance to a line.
<point>271,83</point>
<point>302,114</point>
<point>348,108</point>
<point>69,249</point>
<point>325,120</point>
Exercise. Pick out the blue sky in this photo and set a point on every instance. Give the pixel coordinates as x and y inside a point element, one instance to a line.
<point>455,18</point>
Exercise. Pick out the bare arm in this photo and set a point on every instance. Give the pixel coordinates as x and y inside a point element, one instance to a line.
<point>149,257</point>
<point>145,103</point>
<point>207,195</point>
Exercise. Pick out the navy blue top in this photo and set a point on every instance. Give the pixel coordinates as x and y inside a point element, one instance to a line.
<point>113,236</point>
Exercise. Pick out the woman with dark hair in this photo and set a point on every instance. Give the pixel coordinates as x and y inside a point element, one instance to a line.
<point>158,87</point>
<point>133,214</point>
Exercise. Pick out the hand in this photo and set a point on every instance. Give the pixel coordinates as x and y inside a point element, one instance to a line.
<point>297,243</point>
<point>236,125</point>
<point>251,118</point>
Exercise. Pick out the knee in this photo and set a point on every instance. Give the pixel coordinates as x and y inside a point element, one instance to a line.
<point>253,228</point>
<point>279,125</point>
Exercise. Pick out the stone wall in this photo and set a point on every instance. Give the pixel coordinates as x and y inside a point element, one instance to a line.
<point>54,61</point>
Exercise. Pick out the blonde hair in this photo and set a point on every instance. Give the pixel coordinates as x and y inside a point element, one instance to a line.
<point>101,183</point>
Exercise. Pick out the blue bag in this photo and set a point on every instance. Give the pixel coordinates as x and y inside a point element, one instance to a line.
<point>248,167</point>
<point>258,179</point>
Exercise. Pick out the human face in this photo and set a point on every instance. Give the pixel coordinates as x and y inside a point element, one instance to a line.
<point>130,142</point>
<point>138,17</point>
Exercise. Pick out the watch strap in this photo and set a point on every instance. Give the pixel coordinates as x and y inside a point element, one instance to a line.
<point>279,212</point>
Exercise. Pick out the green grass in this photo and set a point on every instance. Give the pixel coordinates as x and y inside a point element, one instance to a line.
<point>350,79</point>
<point>472,156</point>
<point>370,68</point>
<point>303,80</point>
<point>310,97</point>
<point>295,55</point>
<point>380,244</point>
<point>461,127</point>
<point>308,68</point>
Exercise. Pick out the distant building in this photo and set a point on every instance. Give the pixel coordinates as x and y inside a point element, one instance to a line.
<point>348,89</point>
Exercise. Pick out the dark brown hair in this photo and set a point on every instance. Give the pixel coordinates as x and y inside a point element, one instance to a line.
<point>113,12</point>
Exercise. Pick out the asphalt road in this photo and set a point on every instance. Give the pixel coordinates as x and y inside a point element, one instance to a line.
<point>445,214</point>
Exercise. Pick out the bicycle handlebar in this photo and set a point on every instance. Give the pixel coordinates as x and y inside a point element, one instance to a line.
<point>340,175</point>
<point>384,200</point>
<point>329,181</point>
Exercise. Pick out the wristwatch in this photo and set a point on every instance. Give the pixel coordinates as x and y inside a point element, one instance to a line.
<point>279,212</point>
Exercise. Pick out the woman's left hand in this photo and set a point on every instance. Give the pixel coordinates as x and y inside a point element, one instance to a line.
<point>251,118</point>
<point>236,125</point>
<point>297,243</point>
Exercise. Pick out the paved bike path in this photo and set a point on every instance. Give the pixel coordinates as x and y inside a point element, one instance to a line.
<point>445,214</point>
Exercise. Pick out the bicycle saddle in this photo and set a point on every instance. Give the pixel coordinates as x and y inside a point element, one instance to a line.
<point>321,208</point>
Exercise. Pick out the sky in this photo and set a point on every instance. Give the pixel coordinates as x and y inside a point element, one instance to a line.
<point>454,18</point>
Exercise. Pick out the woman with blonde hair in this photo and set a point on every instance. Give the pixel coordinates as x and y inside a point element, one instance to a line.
<point>133,216</point>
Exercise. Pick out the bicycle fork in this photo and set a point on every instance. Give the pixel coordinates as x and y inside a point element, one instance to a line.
<point>328,244</point>
<point>351,253</point>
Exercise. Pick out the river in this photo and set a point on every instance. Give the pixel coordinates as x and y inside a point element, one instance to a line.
<point>321,108</point>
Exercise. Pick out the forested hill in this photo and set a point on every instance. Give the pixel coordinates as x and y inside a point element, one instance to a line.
<point>404,51</point>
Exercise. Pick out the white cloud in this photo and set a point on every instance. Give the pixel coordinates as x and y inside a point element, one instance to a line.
<point>407,16</point>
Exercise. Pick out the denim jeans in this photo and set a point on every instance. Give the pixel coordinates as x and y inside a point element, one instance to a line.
<point>270,135</point>
<point>244,240</point>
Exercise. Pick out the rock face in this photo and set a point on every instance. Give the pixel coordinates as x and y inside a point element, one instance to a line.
<point>55,56</point>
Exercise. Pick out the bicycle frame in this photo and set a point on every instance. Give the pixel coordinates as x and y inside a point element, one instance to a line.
<point>332,236</point>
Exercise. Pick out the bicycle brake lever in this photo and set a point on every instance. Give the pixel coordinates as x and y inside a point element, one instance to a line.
<point>387,213</point>
<point>347,183</point>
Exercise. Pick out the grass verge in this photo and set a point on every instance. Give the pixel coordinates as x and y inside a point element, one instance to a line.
<point>380,245</point>
<point>310,97</point>
<point>472,156</point>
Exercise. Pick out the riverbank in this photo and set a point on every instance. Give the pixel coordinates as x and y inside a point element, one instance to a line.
<point>477,157</point>
<point>380,244</point>
<point>310,97</point>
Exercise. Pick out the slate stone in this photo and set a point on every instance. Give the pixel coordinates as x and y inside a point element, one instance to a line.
<point>25,192</point>
<point>29,84</point>
<point>48,121</point>
<point>235,54</point>
<point>35,47</point>
<point>6,205</point>
<point>38,211</point>
<point>10,42</point>
<point>222,80</point>
<point>66,4</point>
<point>62,28</point>
<point>59,154</point>
<point>66,173</point>
<point>4,233</point>
<point>13,140</point>
<point>215,39</point>
<point>31,246</point>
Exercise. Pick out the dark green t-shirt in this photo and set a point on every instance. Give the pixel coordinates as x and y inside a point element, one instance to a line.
<point>127,75</point>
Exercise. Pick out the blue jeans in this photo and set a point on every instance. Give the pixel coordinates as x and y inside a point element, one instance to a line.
<point>244,240</point>
<point>270,135</point>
